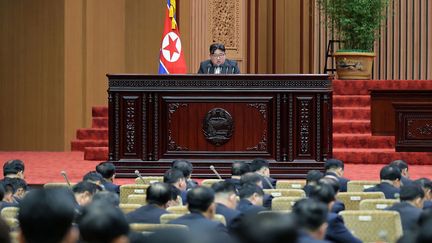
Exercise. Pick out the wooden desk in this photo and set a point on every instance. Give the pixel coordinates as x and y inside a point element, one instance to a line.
<point>217,119</point>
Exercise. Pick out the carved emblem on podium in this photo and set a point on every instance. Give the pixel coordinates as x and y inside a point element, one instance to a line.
<point>218,126</point>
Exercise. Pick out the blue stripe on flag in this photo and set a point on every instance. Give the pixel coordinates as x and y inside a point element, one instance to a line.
<point>162,69</point>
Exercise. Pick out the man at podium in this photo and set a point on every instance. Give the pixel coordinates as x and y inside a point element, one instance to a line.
<point>218,64</point>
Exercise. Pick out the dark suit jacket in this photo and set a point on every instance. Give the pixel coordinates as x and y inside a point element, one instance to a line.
<point>228,67</point>
<point>427,204</point>
<point>191,184</point>
<point>337,232</point>
<point>304,237</point>
<point>235,182</point>
<point>406,181</point>
<point>109,186</point>
<point>390,192</point>
<point>149,214</point>
<point>338,206</point>
<point>232,216</point>
<point>408,213</point>
<point>197,222</point>
<point>342,181</point>
<point>307,189</point>
<point>247,208</point>
<point>266,185</point>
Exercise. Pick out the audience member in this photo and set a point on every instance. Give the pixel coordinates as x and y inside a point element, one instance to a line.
<point>186,167</point>
<point>108,197</point>
<point>13,169</point>
<point>238,169</point>
<point>15,189</point>
<point>411,205</point>
<point>262,168</point>
<point>312,178</point>
<point>390,182</point>
<point>101,222</point>
<point>108,172</point>
<point>251,199</point>
<point>338,206</point>
<point>403,167</point>
<point>336,231</point>
<point>46,216</point>
<point>335,168</point>
<point>177,179</point>
<point>94,177</point>
<point>157,196</point>
<point>311,217</point>
<point>254,178</point>
<point>426,185</point>
<point>226,203</point>
<point>83,192</point>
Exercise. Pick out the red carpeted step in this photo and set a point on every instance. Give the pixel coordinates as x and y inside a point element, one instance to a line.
<point>92,133</point>
<point>100,122</point>
<point>349,141</point>
<point>351,113</point>
<point>362,87</point>
<point>351,100</point>
<point>351,126</point>
<point>100,111</point>
<point>96,153</point>
<point>380,156</point>
<point>80,145</point>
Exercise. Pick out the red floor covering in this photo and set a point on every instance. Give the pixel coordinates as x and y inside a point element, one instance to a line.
<point>42,167</point>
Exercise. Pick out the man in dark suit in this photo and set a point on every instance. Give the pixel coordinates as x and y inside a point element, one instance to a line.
<point>336,231</point>
<point>238,169</point>
<point>254,178</point>
<point>187,168</point>
<point>157,196</point>
<point>262,168</point>
<point>335,168</point>
<point>218,64</point>
<point>251,199</point>
<point>107,170</point>
<point>411,205</point>
<point>426,184</point>
<point>178,181</point>
<point>312,178</point>
<point>337,206</point>
<point>403,167</point>
<point>226,203</point>
<point>390,182</point>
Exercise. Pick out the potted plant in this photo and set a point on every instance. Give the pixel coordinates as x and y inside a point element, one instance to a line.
<point>357,24</point>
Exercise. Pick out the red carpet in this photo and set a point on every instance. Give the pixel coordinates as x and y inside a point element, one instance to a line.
<point>43,167</point>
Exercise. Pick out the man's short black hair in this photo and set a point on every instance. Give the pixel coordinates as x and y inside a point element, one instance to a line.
<point>172,176</point>
<point>332,181</point>
<point>46,215</point>
<point>108,197</point>
<point>13,167</point>
<point>391,173</point>
<point>239,168</point>
<point>158,193</point>
<point>314,176</point>
<point>85,186</point>
<point>106,169</point>
<point>333,164</point>
<point>199,199</point>
<point>224,187</point>
<point>323,193</point>
<point>310,213</point>
<point>13,184</point>
<point>101,222</point>
<point>258,163</point>
<point>93,176</point>
<point>183,166</point>
<point>250,178</point>
<point>216,46</point>
<point>247,190</point>
<point>400,164</point>
<point>411,192</point>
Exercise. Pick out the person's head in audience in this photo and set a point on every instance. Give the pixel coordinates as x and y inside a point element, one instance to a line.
<point>323,193</point>
<point>252,193</point>
<point>84,192</point>
<point>333,182</point>
<point>93,177</point>
<point>13,169</point>
<point>311,216</point>
<point>251,178</point>
<point>101,222</point>
<point>413,194</point>
<point>239,168</point>
<point>225,193</point>
<point>184,166</point>
<point>201,200</point>
<point>159,194</point>
<point>15,189</point>
<point>391,175</point>
<point>402,165</point>
<point>175,199</point>
<point>426,184</point>
<point>335,166</point>
<point>313,176</point>
<point>8,192</point>
<point>260,166</point>
<point>108,197</point>
<point>46,216</point>
<point>107,170</point>
<point>175,178</point>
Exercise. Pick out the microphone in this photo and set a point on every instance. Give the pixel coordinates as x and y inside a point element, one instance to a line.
<point>212,168</point>
<point>63,173</point>
<point>208,68</point>
<point>268,182</point>
<point>139,176</point>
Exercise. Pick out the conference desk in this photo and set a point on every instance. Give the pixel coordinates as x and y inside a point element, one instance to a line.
<point>218,119</point>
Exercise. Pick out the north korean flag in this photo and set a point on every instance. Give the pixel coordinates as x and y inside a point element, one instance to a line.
<point>171,58</point>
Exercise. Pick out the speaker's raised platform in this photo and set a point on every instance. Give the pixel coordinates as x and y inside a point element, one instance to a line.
<point>218,119</point>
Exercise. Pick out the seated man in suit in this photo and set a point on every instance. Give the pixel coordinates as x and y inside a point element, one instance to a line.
<point>426,185</point>
<point>390,182</point>
<point>218,64</point>
<point>187,168</point>
<point>335,168</point>
<point>336,230</point>
<point>13,169</point>
<point>83,192</point>
<point>254,178</point>
<point>157,196</point>
<point>226,203</point>
<point>238,169</point>
<point>403,167</point>
<point>338,206</point>
<point>176,178</point>
<point>411,205</point>
<point>262,168</point>
<point>251,199</point>
<point>312,178</point>
<point>95,178</point>
<point>108,172</point>
<point>311,215</point>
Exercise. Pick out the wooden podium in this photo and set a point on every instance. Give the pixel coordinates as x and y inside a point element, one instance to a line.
<point>218,119</point>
